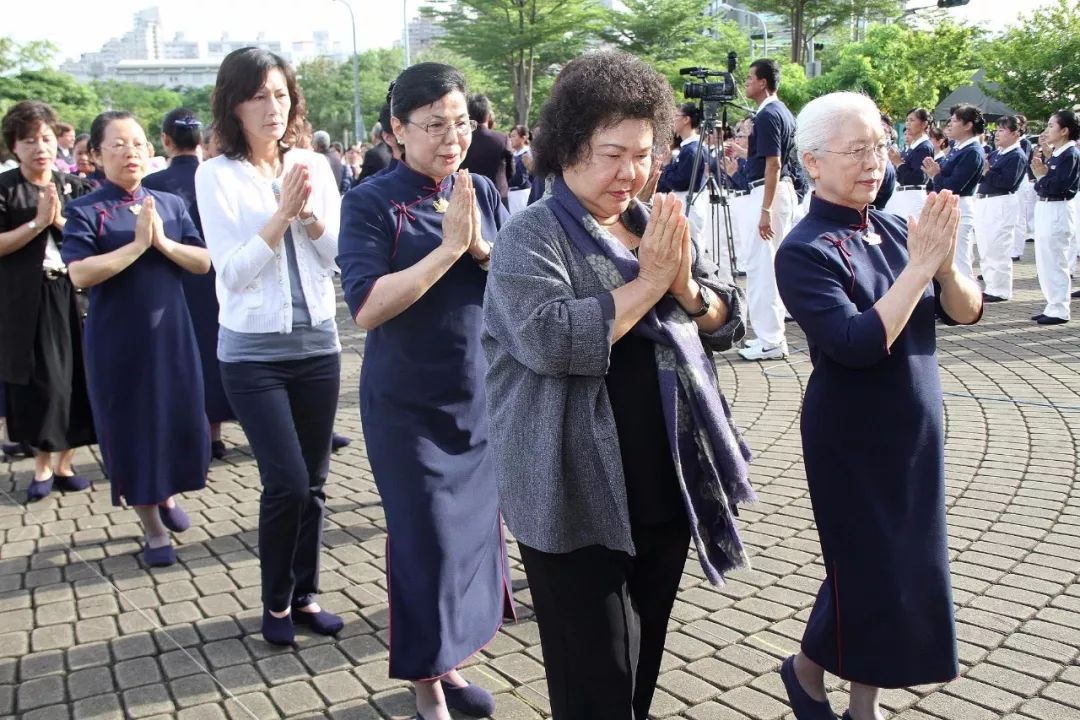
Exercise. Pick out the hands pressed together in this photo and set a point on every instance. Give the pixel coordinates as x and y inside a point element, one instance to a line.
<point>665,254</point>
<point>49,209</point>
<point>462,225</point>
<point>932,237</point>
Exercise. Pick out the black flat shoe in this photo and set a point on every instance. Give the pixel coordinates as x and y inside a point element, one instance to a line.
<point>804,706</point>
<point>1051,320</point>
<point>338,441</point>
<point>1075,294</point>
<point>1016,258</point>
<point>992,298</point>
<point>217,449</point>
<point>1038,317</point>
<point>470,700</point>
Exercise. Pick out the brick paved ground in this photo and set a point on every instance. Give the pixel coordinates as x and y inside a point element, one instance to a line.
<point>86,632</point>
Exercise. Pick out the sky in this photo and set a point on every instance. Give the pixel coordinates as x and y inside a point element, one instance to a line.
<point>78,26</point>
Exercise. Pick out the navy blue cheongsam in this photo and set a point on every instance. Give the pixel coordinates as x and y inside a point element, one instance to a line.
<point>422,403</point>
<point>199,290</point>
<point>142,362</point>
<point>873,446</point>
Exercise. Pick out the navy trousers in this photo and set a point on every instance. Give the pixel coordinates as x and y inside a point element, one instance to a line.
<point>287,411</point>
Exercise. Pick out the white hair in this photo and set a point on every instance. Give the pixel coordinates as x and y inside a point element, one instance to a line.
<point>819,121</point>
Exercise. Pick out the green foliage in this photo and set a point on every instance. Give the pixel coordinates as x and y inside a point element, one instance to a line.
<point>795,88</point>
<point>16,57</point>
<point>1036,62</point>
<point>516,42</point>
<point>148,104</point>
<point>73,102</point>
<point>809,19</point>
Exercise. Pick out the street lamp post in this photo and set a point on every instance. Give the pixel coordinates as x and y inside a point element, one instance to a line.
<point>358,120</point>
<point>405,31</point>
<point>764,29</point>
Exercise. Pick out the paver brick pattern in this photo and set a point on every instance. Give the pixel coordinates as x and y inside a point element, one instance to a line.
<point>86,632</point>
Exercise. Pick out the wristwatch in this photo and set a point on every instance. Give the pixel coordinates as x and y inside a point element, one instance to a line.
<point>310,221</point>
<point>706,300</point>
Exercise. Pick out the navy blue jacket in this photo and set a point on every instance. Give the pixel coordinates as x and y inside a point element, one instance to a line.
<point>521,179</point>
<point>910,171</point>
<point>676,177</point>
<point>888,187</point>
<point>179,179</point>
<point>1005,174</point>
<point>961,170</point>
<point>1062,179</point>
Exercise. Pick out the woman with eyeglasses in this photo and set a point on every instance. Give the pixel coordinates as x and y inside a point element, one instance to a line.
<point>131,247</point>
<point>414,253</point>
<point>270,211</point>
<point>867,287</point>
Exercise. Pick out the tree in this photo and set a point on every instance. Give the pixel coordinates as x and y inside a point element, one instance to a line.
<point>73,102</point>
<point>673,34</point>
<point>16,57</point>
<point>1035,63</point>
<point>148,104</point>
<point>809,19</point>
<point>517,38</point>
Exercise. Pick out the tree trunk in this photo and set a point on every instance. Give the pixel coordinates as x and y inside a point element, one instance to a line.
<point>798,18</point>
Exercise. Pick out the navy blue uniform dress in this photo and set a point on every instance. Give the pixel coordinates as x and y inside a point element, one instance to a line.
<point>873,447</point>
<point>422,404</point>
<point>142,361</point>
<point>199,290</point>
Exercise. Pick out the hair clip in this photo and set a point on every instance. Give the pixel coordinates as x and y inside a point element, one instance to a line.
<point>187,122</point>
<point>390,90</point>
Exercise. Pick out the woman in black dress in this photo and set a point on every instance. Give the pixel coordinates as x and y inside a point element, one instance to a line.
<point>866,289</point>
<point>41,347</point>
<point>181,133</point>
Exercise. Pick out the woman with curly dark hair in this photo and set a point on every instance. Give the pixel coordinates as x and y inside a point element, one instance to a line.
<point>600,319</point>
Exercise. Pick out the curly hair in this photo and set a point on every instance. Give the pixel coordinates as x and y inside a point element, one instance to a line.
<point>596,91</point>
<point>23,118</point>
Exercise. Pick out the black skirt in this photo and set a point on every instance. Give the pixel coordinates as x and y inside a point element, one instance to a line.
<point>52,411</point>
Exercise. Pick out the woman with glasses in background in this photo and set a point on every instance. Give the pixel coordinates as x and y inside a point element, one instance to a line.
<point>413,253</point>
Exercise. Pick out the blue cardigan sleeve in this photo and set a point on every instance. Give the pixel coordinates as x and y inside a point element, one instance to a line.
<point>910,171</point>
<point>958,171</point>
<point>679,175</point>
<point>1061,178</point>
<point>1006,172</point>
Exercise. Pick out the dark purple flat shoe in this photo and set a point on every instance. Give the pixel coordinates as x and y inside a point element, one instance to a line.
<point>217,449</point>
<point>17,449</point>
<point>278,631</point>
<point>174,518</point>
<point>321,622</point>
<point>470,700</point>
<point>804,706</point>
<point>71,483</point>
<point>338,441</point>
<point>39,489</point>
<point>159,557</point>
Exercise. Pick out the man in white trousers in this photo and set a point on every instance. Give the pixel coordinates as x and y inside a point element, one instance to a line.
<point>772,194</point>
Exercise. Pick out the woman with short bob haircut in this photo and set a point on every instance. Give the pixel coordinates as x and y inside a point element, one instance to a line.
<point>611,437</point>
<point>867,288</point>
<point>270,212</point>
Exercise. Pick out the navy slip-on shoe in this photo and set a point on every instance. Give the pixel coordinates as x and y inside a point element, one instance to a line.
<point>804,706</point>
<point>339,441</point>
<point>174,518</point>
<point>278,631</point>
<point>16,450</point>
<point>39,489</point>
<point>217,449</point>
<point>1051,320</point>
<point>71,483</point>
<point>321,622</point>
<point>470,700</point>
<point>159,557</point>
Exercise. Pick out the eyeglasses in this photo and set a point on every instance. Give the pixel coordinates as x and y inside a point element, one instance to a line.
<point>438,129</point>
<point>878,151</point>
<point>120,146</point>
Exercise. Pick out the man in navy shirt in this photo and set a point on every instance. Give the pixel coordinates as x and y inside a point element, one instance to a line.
<point>769,170</point>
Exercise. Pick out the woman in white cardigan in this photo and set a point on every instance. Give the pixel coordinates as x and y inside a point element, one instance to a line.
<point>270,215</point>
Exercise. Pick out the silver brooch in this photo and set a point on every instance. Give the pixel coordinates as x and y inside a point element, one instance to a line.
<point>441,205</point>
<point>135,209</point>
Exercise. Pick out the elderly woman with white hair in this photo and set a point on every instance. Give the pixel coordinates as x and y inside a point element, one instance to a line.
<point>866,288</point>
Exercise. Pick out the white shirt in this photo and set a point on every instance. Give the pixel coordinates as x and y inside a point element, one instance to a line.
<point>766,101</point>
<point>692,139</point>
<point>1008,150</point>
<point>1062,149</point>
<point>253,288</point>
<point>924,138</point>
<point>958,146</point>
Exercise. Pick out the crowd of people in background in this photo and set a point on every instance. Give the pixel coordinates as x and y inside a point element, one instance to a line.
<point>555,294</point>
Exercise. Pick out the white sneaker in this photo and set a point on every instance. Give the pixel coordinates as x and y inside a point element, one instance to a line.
<point>756,342</point>
<point>765,352</point>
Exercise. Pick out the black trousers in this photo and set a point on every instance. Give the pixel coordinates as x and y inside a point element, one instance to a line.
<point>51,412</point>
<point>603,618</point>
<point>287,411</point>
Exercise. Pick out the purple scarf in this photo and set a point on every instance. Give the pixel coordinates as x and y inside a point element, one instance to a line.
<point>711,459</point>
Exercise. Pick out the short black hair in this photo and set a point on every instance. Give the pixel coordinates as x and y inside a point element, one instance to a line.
<point>691,111</point>
<point>768,70</point>
<point>1011,122</point>
<point>522,131</point>
<point>25,116</point>
<point>969,114</point>
<point>240,76</point>
<point>479,108</point>
<point>423,84</point>
<point>920,114</point>
<point>183,128</point>
<point>384,122</point>
<point>101,123</point>
<point>594,91</point>
<point>1067,119</point>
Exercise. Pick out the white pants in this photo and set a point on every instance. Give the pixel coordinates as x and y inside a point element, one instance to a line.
<point>712,246</point>
<point>764,308</point>
<point>906,202</point>
<point>965,237</point>
<point>1076,233</point>
<point>741,207</point>
<point>995,227</point>
<point>1025,225</point>
<point>519,200</point>
<point>1054,228</point>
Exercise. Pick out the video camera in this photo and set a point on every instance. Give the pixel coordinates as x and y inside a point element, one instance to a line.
<point>724,90</point>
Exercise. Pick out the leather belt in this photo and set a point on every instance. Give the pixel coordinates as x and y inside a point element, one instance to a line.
<point>902,188</point>
<point>758,183</point>
<point>1054,198</point>
<point>54,273</point>
<point>983,196</point>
